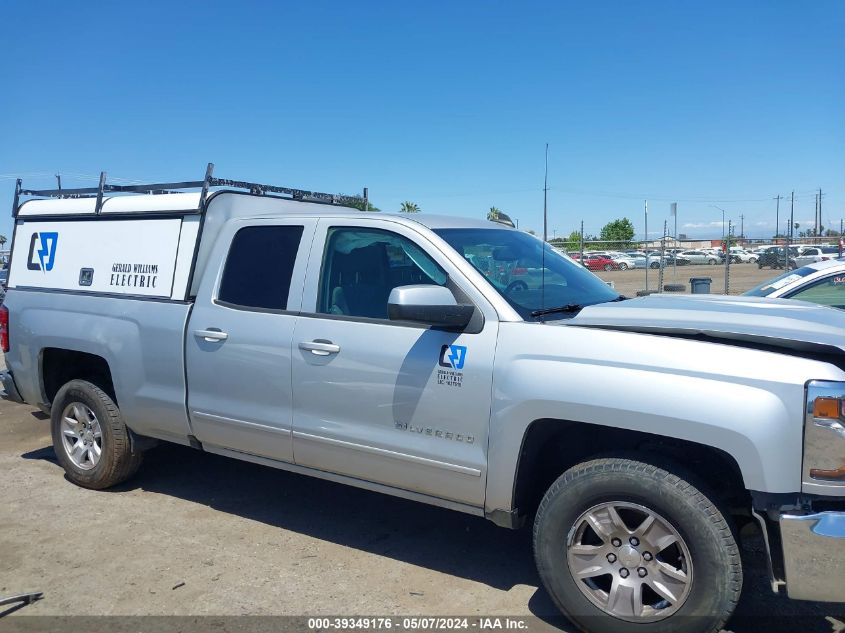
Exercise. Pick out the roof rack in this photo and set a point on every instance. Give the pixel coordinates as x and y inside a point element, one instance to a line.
<point>172,187</point>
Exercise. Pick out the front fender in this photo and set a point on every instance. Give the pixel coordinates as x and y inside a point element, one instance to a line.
<point>747,403</point>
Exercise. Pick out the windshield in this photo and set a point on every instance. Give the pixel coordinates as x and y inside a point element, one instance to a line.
<point>768,287</point>
<point>512,261</point>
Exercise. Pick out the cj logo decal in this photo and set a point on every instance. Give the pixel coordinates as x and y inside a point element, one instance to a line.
<point>453,356</point>
<point>45,251</point>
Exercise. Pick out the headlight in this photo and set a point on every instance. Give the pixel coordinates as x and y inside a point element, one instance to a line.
<point>824,439</point>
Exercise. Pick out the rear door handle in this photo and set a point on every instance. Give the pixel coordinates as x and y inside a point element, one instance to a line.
<point>320,348</point>
<point>212,336</point>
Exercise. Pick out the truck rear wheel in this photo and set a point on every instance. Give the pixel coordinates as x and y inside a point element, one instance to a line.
<point>623,545</point>
<point>90,439</point>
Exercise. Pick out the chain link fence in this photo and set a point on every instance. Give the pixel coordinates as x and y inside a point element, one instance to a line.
<point>668,264</point>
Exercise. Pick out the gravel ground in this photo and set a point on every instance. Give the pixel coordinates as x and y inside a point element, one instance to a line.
<point>198,534</point>
<point>742,277</point>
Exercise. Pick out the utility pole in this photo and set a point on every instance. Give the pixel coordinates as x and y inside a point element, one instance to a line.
<point>791,230</point>
<point>545,199</point>
<point>728,261</point>
<point>820,210</point>
<point>545,230</point>
<point>662,260</point>
<point>645,202</point>
<point>791,218</point>
<point>777,218</point>
<point>581,251</point>
<point>673,208</point>
<point>742,225</point>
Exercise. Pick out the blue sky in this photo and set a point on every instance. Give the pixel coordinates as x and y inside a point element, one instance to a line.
<point>447,104</point>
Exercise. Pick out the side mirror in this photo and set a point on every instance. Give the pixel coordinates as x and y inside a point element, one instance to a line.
<point>428,304</point>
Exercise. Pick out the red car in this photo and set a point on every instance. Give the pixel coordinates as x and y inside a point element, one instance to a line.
<point>599,262</point>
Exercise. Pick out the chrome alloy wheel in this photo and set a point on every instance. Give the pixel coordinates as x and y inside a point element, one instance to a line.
<point>82,437</point>
<point>629,561</point>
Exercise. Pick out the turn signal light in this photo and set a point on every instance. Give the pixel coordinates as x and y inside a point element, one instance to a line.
<point>827,407</point>
<point>818,473</point>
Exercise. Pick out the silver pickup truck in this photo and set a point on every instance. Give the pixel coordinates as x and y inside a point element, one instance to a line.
<point>451,361</point>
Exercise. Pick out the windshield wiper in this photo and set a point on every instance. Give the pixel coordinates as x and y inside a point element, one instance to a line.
<point>569,307</point>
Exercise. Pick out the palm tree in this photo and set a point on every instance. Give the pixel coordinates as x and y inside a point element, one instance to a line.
<point>409,207</point>
<point>3,241</point>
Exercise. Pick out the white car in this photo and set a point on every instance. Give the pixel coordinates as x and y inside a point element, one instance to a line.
<point>625,261</point>
<point>821,282</point>
<point>814,254</point>
<point>700,257</point>
<point>742,256</point>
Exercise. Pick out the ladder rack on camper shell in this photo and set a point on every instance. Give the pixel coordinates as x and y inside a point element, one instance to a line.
<point>140,245</point>
<point>173,187</point>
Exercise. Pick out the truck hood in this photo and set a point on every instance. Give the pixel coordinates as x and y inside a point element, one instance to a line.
<point>785,324</point>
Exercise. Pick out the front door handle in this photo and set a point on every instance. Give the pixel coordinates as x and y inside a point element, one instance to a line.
<point>320,348</point>
<point>212,336</point>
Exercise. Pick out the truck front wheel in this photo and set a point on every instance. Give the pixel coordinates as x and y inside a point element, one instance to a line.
<point>90,439</point>
<point>623,545</point>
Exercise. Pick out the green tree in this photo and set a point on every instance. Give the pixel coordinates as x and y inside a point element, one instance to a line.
<point>409,207</point>
<point>620,231</point>
<point>3,241</point>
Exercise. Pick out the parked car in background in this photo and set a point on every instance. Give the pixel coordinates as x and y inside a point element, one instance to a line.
<point>700,257</point>
<point>651,260</point>
<point>676,259</point>
<point>599,262</point>
<point>742,256</point>
<point>819,282</point>
<point>624,261</point>
<point>776,257</point>
<point>814,254</point>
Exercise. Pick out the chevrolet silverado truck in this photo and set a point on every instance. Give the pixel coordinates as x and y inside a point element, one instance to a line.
<point>402,354</point>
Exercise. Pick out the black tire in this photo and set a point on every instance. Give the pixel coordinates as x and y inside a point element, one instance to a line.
<point>712,262</point>
<point>608,267</point>
<point>117,461</point>
<point>623,266</point>
<point>716,578</point>
<point>654,265</point>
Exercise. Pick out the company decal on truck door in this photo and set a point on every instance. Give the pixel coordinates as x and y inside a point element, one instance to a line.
<point>43,257</point>
<point>134,275</point>
<point>453,358</point>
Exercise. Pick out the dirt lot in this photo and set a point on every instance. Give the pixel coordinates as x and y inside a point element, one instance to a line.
<point>197,534</point>
<point>742,277</point>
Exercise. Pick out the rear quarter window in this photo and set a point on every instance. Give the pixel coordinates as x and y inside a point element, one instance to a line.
<point>259,267</point>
